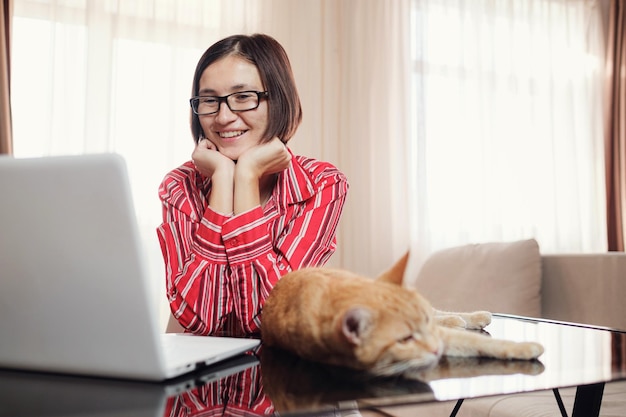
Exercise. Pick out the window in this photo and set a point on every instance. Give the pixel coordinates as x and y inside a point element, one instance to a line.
<point>507,105</point>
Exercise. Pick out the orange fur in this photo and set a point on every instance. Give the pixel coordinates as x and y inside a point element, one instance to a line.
<point>337,317</point>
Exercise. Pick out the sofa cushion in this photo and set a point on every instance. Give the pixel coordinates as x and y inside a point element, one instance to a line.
<point>585,288</point>
<point>502,277</point>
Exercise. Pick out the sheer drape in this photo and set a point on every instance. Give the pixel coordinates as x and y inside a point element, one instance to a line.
<point>5,77</point>
<point>616,126</point>
<point>508,123</point>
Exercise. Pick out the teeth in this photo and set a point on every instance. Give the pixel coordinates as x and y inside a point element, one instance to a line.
<point>231,134</point>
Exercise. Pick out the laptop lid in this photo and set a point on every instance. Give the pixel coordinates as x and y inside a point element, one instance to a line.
<point>74,293</point>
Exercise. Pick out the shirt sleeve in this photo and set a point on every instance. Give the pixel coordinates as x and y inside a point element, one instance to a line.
<point>220,269</point>
<point>194,255</point>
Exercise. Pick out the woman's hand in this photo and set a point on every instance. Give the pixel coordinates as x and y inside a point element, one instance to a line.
<point>253,173</point>
<point>208,160</point>
<point>221,169</point>
<point>264,159</point>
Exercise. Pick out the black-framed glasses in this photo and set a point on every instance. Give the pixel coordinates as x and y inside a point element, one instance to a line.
<point>239,101</point>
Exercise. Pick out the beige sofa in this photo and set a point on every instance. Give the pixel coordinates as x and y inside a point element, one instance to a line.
<point>583,288</point>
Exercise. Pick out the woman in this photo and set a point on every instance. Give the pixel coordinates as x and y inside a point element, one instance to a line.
<point>245,210</point>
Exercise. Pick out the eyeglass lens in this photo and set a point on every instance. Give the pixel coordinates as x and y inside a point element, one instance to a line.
<point>240,101</point>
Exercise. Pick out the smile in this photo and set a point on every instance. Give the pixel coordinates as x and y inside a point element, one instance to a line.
<point>231,134</point>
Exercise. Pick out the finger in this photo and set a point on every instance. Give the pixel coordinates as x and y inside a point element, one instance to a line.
<point>210,145</point>
<point>206,144</point>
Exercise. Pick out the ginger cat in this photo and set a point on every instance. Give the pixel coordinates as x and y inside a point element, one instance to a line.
<point>339,318</point>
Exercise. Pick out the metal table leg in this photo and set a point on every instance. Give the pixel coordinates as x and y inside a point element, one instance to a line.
<point>588,400</point>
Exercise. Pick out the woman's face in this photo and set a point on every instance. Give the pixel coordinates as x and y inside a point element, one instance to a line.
<point>232,132</point>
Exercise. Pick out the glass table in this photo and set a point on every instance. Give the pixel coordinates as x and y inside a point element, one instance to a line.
<point>271,382</point>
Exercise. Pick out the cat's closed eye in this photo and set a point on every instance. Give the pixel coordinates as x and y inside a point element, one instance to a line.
<point>407,339</point>
<point>413,337</point>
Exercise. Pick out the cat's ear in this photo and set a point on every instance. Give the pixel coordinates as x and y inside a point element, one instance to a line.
<point>395,274</point>
<point>355,323</point>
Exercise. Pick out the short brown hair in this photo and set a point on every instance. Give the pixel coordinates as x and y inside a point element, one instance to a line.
<point>270,58</point>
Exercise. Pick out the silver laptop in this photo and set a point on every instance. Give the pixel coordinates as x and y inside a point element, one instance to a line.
<point>74,290</point>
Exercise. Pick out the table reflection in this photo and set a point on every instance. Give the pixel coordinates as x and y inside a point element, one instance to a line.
<point>240,394</point>
<point>295,384</point>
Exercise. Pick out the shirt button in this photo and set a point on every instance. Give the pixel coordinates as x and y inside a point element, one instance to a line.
<point>281,267</point>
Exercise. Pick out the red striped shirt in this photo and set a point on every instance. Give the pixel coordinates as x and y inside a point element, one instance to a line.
<point>220,269</point>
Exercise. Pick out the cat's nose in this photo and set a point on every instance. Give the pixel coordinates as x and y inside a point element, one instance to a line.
<point>437,349</point>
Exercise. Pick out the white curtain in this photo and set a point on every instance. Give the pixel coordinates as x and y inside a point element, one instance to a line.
<point>455,121</point>
<point>507,129</point>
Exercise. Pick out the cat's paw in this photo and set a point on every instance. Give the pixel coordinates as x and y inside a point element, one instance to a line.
<point>451,320</point>
<point>526,351</point>
<point>477,320</point>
